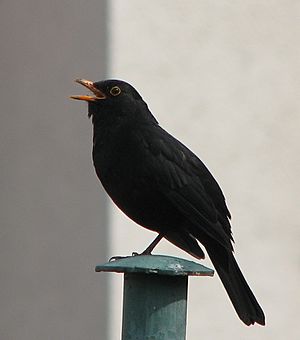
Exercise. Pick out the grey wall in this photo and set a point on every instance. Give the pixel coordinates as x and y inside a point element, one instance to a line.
<point>53,216</point>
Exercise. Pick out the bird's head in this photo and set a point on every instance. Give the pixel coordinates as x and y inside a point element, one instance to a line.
<point>111,98</point>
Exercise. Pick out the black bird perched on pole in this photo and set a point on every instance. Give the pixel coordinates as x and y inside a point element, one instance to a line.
<point>161,185</point>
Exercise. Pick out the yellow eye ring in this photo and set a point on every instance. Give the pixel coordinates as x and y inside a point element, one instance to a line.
<point>115,91</point>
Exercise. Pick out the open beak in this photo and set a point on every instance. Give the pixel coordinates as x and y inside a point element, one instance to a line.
<point>89,85</point>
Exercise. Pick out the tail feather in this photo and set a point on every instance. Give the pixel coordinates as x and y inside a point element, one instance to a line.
<point>240,294</point>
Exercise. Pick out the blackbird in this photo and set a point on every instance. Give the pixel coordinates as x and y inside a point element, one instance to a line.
<point>161,185</point>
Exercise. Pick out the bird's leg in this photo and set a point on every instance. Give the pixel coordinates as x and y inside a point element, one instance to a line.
<point>147,251</point>
<point>152,245</point>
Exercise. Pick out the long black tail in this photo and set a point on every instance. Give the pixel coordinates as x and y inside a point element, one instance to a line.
<point>236,286</point>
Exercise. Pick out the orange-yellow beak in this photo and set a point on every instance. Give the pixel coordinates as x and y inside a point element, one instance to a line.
<point>89,85</point>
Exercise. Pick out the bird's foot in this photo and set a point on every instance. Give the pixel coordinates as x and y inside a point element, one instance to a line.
<point>139,254</point>
<point>116,258</point>
<point>146,253</point>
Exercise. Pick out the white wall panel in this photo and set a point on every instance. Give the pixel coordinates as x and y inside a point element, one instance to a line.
<point>223,76</point>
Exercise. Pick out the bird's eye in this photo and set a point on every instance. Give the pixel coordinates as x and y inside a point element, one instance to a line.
<point>115,91</point>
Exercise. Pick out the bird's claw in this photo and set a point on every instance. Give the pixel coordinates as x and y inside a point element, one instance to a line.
<point>139,254</point>
<point>116,258</point>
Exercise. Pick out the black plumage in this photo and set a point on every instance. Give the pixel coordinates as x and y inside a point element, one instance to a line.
<point>161,185</point>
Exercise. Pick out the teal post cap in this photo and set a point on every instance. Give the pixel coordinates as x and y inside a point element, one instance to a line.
<point>155,264</point>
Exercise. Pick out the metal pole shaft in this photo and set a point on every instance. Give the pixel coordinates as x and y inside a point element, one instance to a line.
<point>154,307</point>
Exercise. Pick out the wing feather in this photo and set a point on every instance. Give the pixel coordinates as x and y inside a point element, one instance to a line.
<point>188,184</point>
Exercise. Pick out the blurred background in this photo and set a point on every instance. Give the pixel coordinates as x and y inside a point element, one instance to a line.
<point>223,77</point>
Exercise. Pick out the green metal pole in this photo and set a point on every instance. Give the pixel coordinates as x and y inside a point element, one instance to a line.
<point>155,295</point>
<point>154,307</point>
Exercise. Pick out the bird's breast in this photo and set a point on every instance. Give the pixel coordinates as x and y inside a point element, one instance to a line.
<point>122,169</point>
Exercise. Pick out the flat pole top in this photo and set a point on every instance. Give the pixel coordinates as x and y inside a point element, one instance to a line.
<point>155,264</point>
